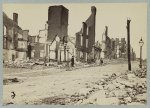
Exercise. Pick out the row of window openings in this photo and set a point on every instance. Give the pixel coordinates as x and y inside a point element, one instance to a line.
<point>11,32</point>
<point>82,42</point>
<point>87,31</point>
<point>20,44</point>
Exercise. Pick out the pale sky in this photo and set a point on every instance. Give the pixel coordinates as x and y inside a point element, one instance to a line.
<point>114,15</point>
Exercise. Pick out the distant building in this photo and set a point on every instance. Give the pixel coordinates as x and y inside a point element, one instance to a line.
<point>85,38</point>
<point>133,55</point>
<point>14,39</point>
<point>115,48</point>
<point>106,44</point>
<point>97,51</point>
<point>36,46</point>
<point>31,44</point>
<point>38,51</point>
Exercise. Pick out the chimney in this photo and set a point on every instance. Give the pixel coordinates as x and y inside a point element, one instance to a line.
<point>15,17</point>
<point>93,10</point>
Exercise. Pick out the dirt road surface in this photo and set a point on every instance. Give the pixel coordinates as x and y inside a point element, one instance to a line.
<point>36,85</point>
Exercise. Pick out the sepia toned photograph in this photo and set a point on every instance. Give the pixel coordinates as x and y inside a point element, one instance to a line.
<point>75,54</point>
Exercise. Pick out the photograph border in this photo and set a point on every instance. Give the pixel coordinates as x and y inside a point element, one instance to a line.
<point>74,1</point>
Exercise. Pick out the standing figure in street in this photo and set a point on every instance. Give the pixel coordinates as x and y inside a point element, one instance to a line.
<point>72,61</point>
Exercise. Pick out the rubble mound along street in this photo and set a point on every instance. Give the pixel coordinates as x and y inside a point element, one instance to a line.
<point>141,72</point>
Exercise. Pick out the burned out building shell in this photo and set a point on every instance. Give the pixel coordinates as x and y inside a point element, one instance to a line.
<point>14,39</point>
<point>85,38</point>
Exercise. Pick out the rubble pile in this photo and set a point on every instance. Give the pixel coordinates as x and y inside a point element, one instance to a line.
<point>19,64</point>
<point>115,61</point>
<point>114,90</point>
<point>122,89</point>
<point>28,64</point>
<point>61,100</point>
<point>76,98</point>
<point>54,64</point>
<point>7,81</point>
<point>141,73</point>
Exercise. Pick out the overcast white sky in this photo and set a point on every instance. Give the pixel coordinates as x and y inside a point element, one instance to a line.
<point>113,15</point>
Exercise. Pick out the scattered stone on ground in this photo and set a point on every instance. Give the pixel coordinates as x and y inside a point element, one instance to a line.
<point>7,81</point>
<point>141,73</point>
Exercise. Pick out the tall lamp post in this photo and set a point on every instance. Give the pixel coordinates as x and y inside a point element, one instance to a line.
<point>128,43</point>
<point>141,45</point>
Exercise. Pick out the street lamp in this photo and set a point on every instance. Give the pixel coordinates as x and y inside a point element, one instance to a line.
<point>141,45</point>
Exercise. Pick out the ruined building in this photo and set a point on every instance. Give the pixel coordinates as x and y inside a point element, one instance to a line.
<point>106,44</point>
<point>57,27</point>
<point>31,44</point>
<point>14,39</point>
<point>115,48</point>
<point>22,44</point>
<point>85,39</point>
<point>36,47</point>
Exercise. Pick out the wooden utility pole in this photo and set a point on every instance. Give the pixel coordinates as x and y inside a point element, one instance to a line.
<point>129,46</point>
<point>140,56</point>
